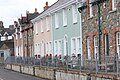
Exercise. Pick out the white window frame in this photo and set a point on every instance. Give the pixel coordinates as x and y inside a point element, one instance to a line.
<point>36,27</point>
<point>114,4</point>
<point>59,47</point>
<point>47,23</point>
<point>50,47</point>
<point>38,48</point>
<point>74,13</point>
<point>95,47</point>
<point>42,27</point>
<point>47,48</point>
<point>56,21</point>
<point>118,43</point>
<point>90,7</point>
<point>88,48</point>
<point>64,17</point>
<point>42,49</point>
<point>56,48</point>
<point>105,46</point>
<point>73,46</point>
<point>78,46</point>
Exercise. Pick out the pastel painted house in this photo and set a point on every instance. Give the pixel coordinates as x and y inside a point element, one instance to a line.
<point>43,33</point>
<point>67,29</point>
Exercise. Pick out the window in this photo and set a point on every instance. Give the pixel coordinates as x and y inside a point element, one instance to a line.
<point>74,13</point>
<point>56,47</point>
<point>47,23</point>
<point>118,43</point>
<point>38,48</point>
<point>42,49</point>
<point>64,17</point>
<point>42,29</point>
<point>47,48</point>
<point>20,32</point>
<point>36,27</point>
<point>16,36</point>
<point>95,47</point>
<point>78,46</point>
<point>59,47</point>
<point>56,21</point>
<point>50,47</point>
<point>88,48</point>
<point>73,46</point>
<point>114,4</point>
<point>90,9</point>
<point>65,46</point>
<point>106,45</point>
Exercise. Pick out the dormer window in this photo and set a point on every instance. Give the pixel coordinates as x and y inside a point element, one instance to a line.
<point>6,35</point>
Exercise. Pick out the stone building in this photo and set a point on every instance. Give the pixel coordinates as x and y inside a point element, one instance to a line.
<point>109,30</point>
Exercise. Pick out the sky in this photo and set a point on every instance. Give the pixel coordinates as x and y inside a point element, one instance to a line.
<point>11,10</point>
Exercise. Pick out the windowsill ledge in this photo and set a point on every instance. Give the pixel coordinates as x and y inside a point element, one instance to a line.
<point>91,17</point>
<point>112,11</point>
<point>65,25</point>
<point>56,28</point>
<point>75,22</point>
<point>48,30</point>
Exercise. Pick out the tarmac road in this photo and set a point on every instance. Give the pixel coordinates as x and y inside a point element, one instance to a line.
<point>11,75</point>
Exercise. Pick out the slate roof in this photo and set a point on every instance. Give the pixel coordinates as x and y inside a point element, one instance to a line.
<point>28,17</point>
<point>8,43</point>
<point>54,6</point>
<point>8,30</point>
<point>31,16</point>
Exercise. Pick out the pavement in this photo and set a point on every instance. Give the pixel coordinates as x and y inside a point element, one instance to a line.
<point>11,75</point>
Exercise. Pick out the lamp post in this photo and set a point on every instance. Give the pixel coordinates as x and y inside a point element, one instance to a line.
<point>99,32</point>
<point>96,2</point>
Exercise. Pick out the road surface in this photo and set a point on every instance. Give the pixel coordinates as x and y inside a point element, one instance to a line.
<point>11,75</point>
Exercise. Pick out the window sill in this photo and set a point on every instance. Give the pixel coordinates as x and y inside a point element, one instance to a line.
<point>75,22</point>
<point>42,32</point>
<point>112,11</point>
<point>48,30</point>
<point>65,25</point>
<point>90,17</point>
<point>56,28</point>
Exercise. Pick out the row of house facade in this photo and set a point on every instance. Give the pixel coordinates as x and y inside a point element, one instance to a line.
<point>70,27</point>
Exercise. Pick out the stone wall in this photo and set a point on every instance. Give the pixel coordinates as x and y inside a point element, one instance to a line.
<point>110,24</point>
<point>59,74</point>
<point>44,72</point>
<point>15,68</point>
<point>27,70</point>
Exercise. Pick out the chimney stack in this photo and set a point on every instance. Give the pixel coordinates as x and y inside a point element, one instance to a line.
<point>46,6</point>
<point>35,10</point>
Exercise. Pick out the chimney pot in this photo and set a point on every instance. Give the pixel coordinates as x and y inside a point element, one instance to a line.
<point>35,10</point>
<point>46,3</point>
<point>46,6</point>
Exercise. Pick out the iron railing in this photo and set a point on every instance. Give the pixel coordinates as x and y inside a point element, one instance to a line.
<point>109,64</point>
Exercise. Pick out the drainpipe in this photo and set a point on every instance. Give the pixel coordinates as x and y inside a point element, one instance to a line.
<point>99,32</point>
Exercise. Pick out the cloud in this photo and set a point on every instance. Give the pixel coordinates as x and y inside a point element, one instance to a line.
<point>12,9</point>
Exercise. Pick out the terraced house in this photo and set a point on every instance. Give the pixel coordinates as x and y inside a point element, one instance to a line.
<point>66,26</point>
<point>23,37</point>
<point>106,15</point>
<point>43,33</point>
<point>57,30</point>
